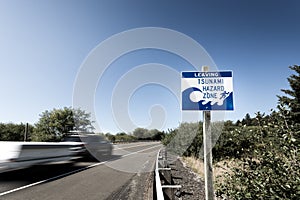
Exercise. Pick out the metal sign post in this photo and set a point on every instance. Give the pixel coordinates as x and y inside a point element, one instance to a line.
<point>207,140</point>
<point>208,167</point>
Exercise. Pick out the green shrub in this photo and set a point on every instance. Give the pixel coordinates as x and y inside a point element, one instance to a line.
<point>271,169</point>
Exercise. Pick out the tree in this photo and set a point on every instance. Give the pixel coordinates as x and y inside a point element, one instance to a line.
<point>292,101</point>
<point>156,134</point>
<point>145,134</point>
<point>186,139</point>
<point>140,133</point>
<point>53,125</point>
<point>110,137</point>
<point>82,120</point>
<point>238,123</point>
<point>13,132</point>
<point>247,120</point>
<point>123,137</point>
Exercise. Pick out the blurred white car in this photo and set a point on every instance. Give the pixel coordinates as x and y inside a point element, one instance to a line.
<point>18,155</point>
<point>90,144</point>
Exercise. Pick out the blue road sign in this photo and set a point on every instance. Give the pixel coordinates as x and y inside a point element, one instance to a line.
<point>207,90</point>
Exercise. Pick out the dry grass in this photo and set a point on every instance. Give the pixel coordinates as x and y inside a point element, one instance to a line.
<point>194,164</point>
<point>219,170</point>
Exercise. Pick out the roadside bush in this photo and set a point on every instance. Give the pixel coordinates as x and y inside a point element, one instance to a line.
<point>185,139</point>
<point>269,176</point>
<point>237,143</point>
<point>272,169</point>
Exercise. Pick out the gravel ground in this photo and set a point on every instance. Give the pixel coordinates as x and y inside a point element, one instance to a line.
<point>192,184</point>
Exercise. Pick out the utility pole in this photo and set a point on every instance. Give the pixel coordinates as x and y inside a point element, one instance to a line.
<point>26,132</point>
<point>207,141</point>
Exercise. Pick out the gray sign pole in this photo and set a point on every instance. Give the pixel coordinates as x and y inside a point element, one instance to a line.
<point>207,141</point>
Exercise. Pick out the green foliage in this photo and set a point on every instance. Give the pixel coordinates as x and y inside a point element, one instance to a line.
<point>292,101</point>
<point>13,132</point>
<point>185,139</point>
<point>195,148</point>
<point>235,143</point>
<point>53,125</point>
<point>145,134</point>
<point>229,140</point>
<point>271,167</point>
<point>140,133</point>
<point>247,120</point>
<point>169,135</point>
<point>123,137</point>
<point>156,134</point>
<point>82,120</point>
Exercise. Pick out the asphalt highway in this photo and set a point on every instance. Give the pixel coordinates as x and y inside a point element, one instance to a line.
<point>126,174</point>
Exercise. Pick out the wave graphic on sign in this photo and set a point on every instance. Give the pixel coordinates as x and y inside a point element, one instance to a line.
<point>188,104</point>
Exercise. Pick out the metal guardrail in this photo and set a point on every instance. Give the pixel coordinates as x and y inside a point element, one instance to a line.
<point>163,178</point>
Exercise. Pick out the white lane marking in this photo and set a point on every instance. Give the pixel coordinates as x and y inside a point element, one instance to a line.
<point>51,179</point>
<point>120,148</point>
<point>69,173</point>
<point>140,151</point>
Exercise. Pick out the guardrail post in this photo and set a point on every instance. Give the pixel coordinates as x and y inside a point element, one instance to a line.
<point>162,171</point>
<point>166,158</point>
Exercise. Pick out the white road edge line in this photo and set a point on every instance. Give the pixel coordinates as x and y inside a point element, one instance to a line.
<point>69,173</point>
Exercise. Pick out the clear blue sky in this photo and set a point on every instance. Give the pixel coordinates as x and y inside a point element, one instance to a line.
<point>44,43</point>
